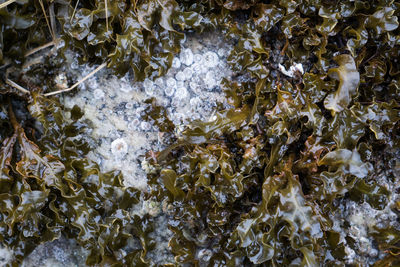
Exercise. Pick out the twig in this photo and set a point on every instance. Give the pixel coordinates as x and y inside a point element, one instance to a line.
<point>78,83</point>
<point>7,3</point>
<point>106,9</point>
<point>17,86</point>
<point>53,21</point>
<point>33,61</point>
<point>73,13</point>
<point>47,20</point>
<point>34,50</point>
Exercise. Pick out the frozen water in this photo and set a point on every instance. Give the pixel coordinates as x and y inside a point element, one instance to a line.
<point>6,256</point>
<point>129,105</point>
<point>145,126</point>
<point>194,86</point>
<point>181,93</point>
<point>134,124</point>
<point>211,59</point>
<point>198,58</point>
<point>188,73</point>
<point>180,84</point>
<point>295,68</point>
<point>119,147</point>
<point>187,57</point>
<point>98,94</point>
<point>126,88</point>
<point>170,90</point>
<point>159,82</point>
<point>195,102</point>
<point>149,87</point>
<point>171,82</point>
<point>209,80</point>
<point>176,63</point>
<point>199,68</point>
<point>221,52</point>
<point>180,76</point>
<point>148,83</point>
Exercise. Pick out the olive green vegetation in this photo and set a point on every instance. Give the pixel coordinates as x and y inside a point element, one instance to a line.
<point>260,184</point>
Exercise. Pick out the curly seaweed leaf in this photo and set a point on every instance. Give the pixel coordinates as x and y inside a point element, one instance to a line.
<point>6,153</point>
<point>347,161</point>
<point>227,121</point>
<point>383,20</point>
<point>32,164</point>
<point>349,78</point>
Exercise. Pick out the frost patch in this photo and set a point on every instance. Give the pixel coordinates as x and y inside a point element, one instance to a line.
<point>5,256</point>
<point>291,72</point>
<point>116,107</point>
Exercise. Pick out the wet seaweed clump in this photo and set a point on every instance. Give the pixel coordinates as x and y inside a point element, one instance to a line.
<point>300,169</point>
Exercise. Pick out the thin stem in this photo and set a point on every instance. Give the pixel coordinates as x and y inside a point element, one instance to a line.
<point>73,13</point>
<point>17,86</point>
<point>106,9</point>
<point>78,83</point>
<point>34,50</point>
<point>7,3</point>
<point>47,20</point>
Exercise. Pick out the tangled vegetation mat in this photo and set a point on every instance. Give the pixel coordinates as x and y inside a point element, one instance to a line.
<point>312,129</point>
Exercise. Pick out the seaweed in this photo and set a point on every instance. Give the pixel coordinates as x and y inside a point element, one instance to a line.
<point>238,187</point>
<point>55,190</point>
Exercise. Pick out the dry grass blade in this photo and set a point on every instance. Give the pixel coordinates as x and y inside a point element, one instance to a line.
<point>7,3</point>
<point>17,86</point>
<point>52,21</point>
<point>33,51</point>
<point>78,83</point>
<point>106,9</point>
<point>73,13</point>
<point>47,19</point>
